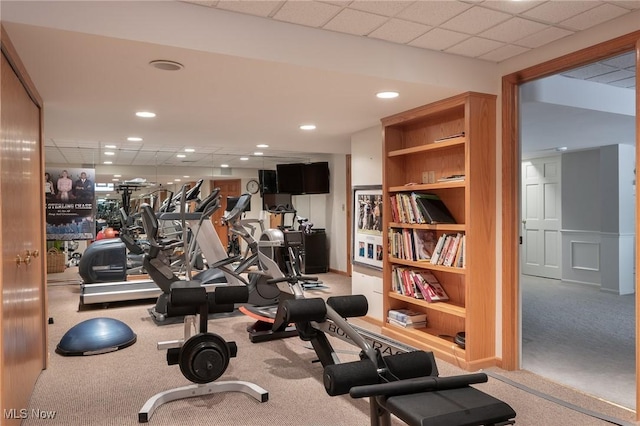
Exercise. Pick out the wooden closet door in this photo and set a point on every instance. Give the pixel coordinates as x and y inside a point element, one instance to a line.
<point>23,289</point>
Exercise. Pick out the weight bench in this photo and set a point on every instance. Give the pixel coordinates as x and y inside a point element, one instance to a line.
<point>435,401</point>
<point>405,384</point>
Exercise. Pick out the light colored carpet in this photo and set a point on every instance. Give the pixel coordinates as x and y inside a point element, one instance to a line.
<point>110,389</point>
<point>581,337</point>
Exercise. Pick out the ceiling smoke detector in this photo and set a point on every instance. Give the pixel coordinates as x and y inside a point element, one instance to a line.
<point>165,65</point>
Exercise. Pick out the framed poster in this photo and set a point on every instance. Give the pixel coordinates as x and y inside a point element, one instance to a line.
<point>367,226</point>
<point>70,204</point>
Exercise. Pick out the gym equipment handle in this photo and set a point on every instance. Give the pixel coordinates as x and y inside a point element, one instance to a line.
<point>422,384</point>
<point>294,279</point>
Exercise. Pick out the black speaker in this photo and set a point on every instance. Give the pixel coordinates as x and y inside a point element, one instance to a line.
<point>268,181</point>
<point>314,256</point>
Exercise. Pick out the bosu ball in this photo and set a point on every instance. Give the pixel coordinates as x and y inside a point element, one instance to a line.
<point>96,336</point>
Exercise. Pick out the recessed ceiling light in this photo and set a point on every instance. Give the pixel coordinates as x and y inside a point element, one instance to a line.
<point>181,156</point>
<point>186,177</point>
<point>561,148</point>
<point>109,153</point>
<point>169,183</point>
<point>115,180</point>
<point>257,153</point>
<point>146,114</point>
<point>177,180</point>
<point>244,158</point>
<point>117,175</point>
<point>108,162</point>
<point>308,127</point>
<point>387,95</point>
<point>189,150</point>
<point>133,139</point>
<point>165,65</point>
<point>224,166</point>
<point>110,146</point>
<point>262,145</point>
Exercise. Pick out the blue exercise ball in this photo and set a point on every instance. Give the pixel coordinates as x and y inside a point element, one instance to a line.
<point>96,336</point>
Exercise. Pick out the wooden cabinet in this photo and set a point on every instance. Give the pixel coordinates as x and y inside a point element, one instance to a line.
<point>418,148</point>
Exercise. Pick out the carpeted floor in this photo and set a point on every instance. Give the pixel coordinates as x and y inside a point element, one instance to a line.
<point>110,389</point>
<point>581,337</point>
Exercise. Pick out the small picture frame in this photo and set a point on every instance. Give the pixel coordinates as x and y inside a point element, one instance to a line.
<point>367,226</point>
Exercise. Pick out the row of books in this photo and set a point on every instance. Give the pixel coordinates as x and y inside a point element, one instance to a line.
<point>407,318</point>
<point>421,284</point>
<point>450,251</point>
<point>412,244</point>
<point>419,208</point>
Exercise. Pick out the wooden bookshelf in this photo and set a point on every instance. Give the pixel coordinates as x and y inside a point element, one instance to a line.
<point>410,148</point>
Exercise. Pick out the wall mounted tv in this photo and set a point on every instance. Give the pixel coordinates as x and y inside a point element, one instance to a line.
<point>303,178</point>
<point>268,181</point>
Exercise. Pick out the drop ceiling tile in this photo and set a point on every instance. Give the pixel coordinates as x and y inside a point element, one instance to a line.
<point>432,12</point>
<point>589,71</point>
<point>399,31</point>
<point>627,60</point>
<point>513,29</point>
<point>474,47</point>
<point>628,83</point>
<point>262,8</point>
<point>438,39</point>
<point>594,17</point>
<point>354,22</point>
<point>385,8</point>
<point>475,20</point>
<point>543,37</point>
<point>613,76</point>
<point>504,52</point>
<point>631,5</point>
<point>511,6</point>
<point>556,11</point>
<point>309,13</point>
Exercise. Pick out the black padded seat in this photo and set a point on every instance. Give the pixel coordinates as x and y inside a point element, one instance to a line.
<point>461,407</point>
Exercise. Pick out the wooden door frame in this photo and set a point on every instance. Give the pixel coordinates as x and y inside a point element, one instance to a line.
<point>511,184</point>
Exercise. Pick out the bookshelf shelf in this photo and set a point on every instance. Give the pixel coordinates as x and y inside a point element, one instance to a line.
<point>428,147</point>
<point>449,227</point>
<point>428,186</point>
<point>425,264</point>
<point>411,150</point>
<point>449,308</point>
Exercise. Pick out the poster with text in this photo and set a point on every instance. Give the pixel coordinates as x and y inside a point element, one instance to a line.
<point>70,203</point>
<point>367,226</point>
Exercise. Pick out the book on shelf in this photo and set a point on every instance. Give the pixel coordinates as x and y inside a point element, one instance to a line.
<point>446,138</point>
<point>433,209</point>
<point>451,178</point>
<point>432,287</point>
<point>449,250</point>
<point>406,315</point>
<point>425,241</point>
<point>419,324</point>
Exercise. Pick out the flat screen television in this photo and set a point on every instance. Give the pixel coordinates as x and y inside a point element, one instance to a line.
<point>268,181</point>
<point>303,178</point>
<point>316,178</point>
<point>290,178</point>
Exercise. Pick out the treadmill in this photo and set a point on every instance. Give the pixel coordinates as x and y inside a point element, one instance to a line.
<point>103,266</point>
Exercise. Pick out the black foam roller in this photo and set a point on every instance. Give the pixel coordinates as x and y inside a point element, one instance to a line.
<point>408,365</point>
<point>187,295</point>
<point>350,306</point>
<point>300,310</point>
<point>422,384</point>
<point>231,294</point>
<point>340,378</point>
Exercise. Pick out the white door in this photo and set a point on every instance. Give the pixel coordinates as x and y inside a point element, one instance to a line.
<point>541,198</point>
